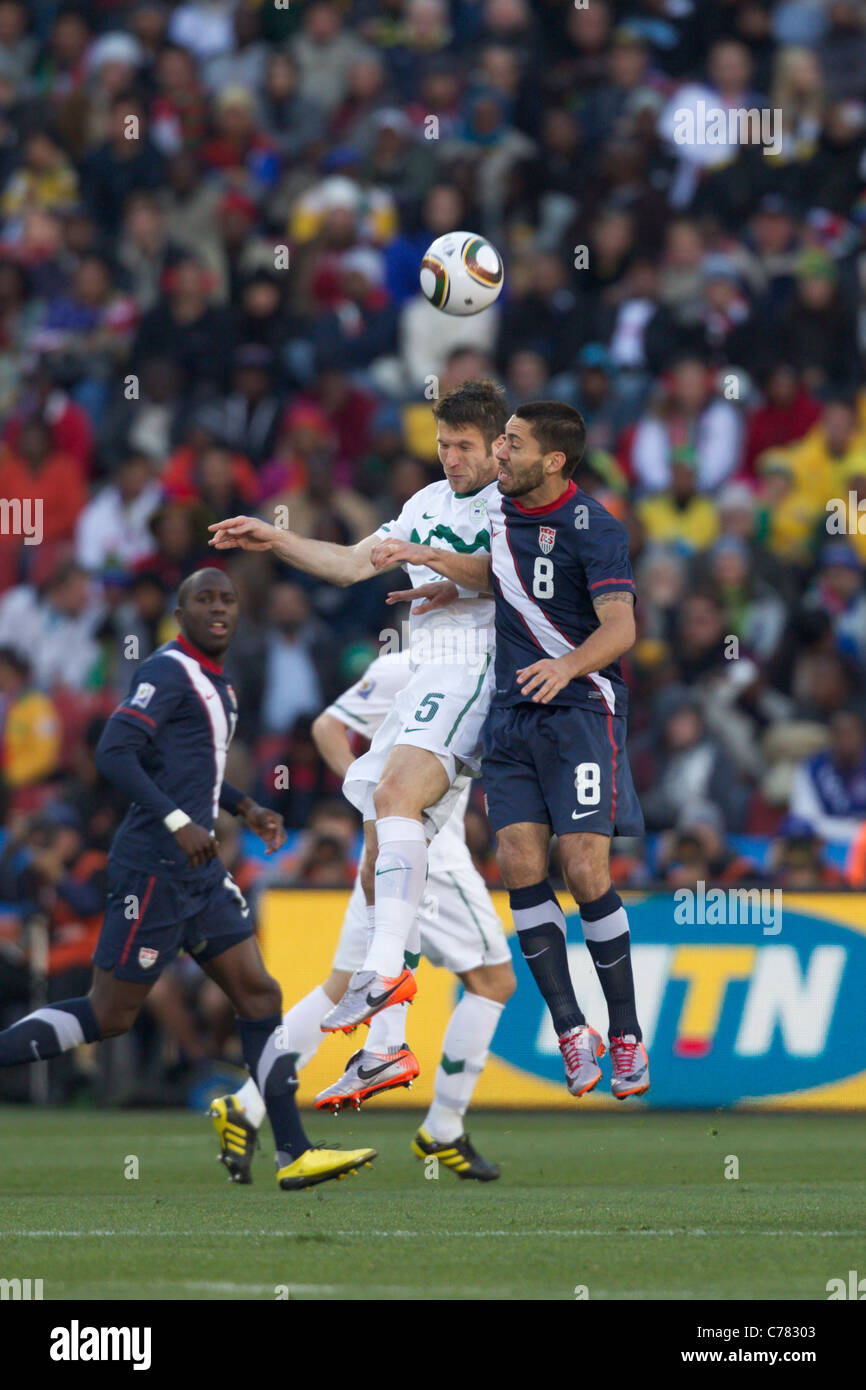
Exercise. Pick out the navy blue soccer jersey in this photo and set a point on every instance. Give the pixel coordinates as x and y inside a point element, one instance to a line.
<point>549,565</point>
<point>165,746</point>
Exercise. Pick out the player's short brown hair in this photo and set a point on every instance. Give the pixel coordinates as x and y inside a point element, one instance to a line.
<point>478,403</point>
<point>559,429</point>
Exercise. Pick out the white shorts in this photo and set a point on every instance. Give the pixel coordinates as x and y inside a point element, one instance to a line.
<point>441,709</point>
<point>459,927</point>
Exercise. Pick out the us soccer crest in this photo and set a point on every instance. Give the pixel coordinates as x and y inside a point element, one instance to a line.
<point>147,957</point>
<point>232,696</point>
<point>546,537</point>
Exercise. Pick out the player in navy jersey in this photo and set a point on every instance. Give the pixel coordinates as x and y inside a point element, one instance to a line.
<point>165,747</point>
<point>554,759</point>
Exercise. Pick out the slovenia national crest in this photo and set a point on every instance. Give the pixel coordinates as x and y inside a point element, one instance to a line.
<point>546,537</point>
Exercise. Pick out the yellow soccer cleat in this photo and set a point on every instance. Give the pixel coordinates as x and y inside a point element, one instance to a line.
<point>319,1165</point>
<point>238,1137</point>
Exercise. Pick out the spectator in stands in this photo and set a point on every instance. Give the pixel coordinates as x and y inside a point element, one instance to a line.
<point>783,416</point>
<point>688,413</point>
<point>55,626</point>
<point>126,161</point>
<point>50,488</point>
<point>30,740</point>
<point>290,685</point>
<point>113,529</point>
<point>829,789</point>
<point>837,590</point>
<point>679,515</point>
<point>185,326</point>
<point>686,765</point>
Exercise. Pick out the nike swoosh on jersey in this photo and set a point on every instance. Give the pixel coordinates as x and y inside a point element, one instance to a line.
<point>575,816</point>
<point>370,1072</point>
<point>396,869</point>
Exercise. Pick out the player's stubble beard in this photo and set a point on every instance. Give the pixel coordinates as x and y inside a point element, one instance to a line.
<point>530,478</point>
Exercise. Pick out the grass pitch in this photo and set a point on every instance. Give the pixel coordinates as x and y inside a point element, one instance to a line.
<point>631,1205</point>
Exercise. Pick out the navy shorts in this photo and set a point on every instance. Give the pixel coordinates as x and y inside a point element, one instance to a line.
<point>149,918</point>
<point>559,765</point>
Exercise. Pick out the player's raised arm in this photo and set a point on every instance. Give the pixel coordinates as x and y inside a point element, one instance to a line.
<point>467,571</point>
<point>339,564</point>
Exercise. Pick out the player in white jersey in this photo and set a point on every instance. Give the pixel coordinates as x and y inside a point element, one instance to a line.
<point>457,927</point>
<point>408,782</point>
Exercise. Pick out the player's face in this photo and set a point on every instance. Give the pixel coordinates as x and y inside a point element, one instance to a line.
<point>464,457</point>
<point>210,615</point>
<point>521,463</point>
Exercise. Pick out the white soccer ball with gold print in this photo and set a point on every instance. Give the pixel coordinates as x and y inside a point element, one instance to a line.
<point>461,273</point>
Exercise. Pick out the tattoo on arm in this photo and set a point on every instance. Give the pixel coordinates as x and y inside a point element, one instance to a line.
<point>621,596</point>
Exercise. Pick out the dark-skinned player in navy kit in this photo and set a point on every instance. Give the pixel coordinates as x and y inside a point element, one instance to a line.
<point>165,747</point>
<point>554,759</point>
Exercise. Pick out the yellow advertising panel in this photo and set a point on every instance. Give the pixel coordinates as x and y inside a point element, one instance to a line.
<point>752,1002</point>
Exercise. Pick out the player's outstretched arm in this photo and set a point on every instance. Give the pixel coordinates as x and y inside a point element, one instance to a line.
<point>339,564</point>
<point>468,571</point>
<point>614,636</point>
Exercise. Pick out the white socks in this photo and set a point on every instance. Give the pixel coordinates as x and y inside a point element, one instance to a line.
<point>401,872</point>
<point>250,1098</point>
<point>464,1052</point>
<point>388,1029</point>
<point>301,1024</point>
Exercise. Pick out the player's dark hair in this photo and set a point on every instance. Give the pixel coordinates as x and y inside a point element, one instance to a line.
<point>559,429</point>
<point>478,403</point>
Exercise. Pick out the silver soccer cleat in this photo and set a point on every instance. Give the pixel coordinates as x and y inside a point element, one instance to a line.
<point>580,1048</point>
<point>367,994</point>
<point>630,1067</point>
<point>366,1074</point>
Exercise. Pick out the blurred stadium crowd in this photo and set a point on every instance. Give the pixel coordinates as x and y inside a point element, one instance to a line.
<point>211,219</point>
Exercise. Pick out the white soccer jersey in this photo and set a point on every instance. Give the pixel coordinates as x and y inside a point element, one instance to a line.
<point>449,521</point>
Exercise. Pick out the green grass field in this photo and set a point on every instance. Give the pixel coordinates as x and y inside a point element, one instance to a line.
<point>632,1205</point>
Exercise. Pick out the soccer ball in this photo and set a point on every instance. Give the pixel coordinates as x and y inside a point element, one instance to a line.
<point>461,273</point>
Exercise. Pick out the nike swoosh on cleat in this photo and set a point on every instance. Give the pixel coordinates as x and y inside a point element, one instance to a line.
<point>575,816</point>
<point>374,1000</point>
<point>370,1072</point>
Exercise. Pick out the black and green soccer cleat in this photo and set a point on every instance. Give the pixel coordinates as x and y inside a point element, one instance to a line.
<point>458,1155</point>
<point>238,1137</point>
